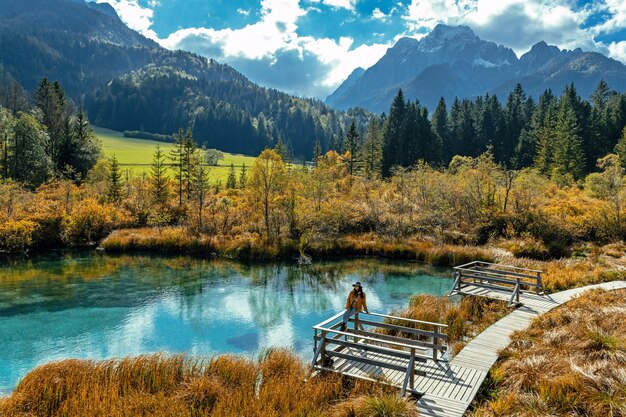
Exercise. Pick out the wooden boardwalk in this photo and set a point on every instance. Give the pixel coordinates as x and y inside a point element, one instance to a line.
<point>444,388</point>
<point>481,353</point>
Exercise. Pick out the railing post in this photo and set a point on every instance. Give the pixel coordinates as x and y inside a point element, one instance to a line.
<point>356,326</point>
<point>315,342</point>
<point>412,375</point>
<point>435,342</point>
<point>518,289</point>
<point>539,283</point>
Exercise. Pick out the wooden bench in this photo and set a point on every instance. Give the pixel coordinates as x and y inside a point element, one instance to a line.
<point>497,277</point>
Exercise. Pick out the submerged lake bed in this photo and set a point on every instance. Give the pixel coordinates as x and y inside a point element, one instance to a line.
<point>96,306</point>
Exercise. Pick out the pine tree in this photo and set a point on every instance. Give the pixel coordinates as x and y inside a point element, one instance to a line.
<point>545,137</point>
<point>569,157</point>
<point>114,193</point>
<point>158,178</point>
<point>392,145</point>
<point>351,148</point>
<point>231,181</point>
<point>317,151</point>
<point>440,131</point>
<point>199,186</point>
<point>177,158</point>
<point>190,161</point>
<point>620,149</point>
<point>281,148</point>
<point>243,176</point>
<point>371,151</point>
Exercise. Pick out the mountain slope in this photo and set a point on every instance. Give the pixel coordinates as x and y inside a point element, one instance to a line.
<point>453,61</point>
<point>128,82</point>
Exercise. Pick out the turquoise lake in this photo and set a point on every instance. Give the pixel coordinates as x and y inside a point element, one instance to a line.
<point>96,306</point>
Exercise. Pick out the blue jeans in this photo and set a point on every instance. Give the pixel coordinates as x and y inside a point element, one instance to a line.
<point>349,313</point>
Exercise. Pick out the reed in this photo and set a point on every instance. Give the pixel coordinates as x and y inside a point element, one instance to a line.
<point>177,385</point>
<point>251,247</point>
<point>570,361</point>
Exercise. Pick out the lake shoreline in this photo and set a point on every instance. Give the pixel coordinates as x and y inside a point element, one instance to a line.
<point>175,240</point>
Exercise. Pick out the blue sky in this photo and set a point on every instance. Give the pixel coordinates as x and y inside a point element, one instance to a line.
<point>308,47</point>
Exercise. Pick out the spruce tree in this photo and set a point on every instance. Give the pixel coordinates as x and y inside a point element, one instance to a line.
<point>351,148</point>
<point>371,151</point>
<point>199,187</point>
<point>392,145</point>
<point>243,176</point>
<point>620,149</point>
<point>231,181</point>
<point>177,158</point>
<point>190,161</point>
<point>158,177</point>
<point>440,131</point>
<point>569,157</point>
<point>317,152</point>
<point>114,193</point>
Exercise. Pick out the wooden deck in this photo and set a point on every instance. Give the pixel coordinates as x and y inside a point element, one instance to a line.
<point>444,388</point>
<point>482,352</point>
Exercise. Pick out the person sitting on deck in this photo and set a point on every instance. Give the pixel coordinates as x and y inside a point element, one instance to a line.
<point>355,303</point>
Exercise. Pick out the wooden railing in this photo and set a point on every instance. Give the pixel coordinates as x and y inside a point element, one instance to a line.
<point>497,276</point>
<point>410,343</point>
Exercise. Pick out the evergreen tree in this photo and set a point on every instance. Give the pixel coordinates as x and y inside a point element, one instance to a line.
<point>79,148</point>
<point>569,156</point>
<point>158,177</point>
<point>392,132</point>
<point>177,158</point>
<point>199,186</point>
<point>515,119</point>
<point>351,148</point>
<point>620,149</point>
<point>231,181</point>
<point>190,160</point>
<point>50,99</point>
<point>114,193</point>
<point>7,126</point>
<point>281,148</point>
<point>545,136</point>
<point>317,152</point>
<point>27,159</point>
<point>440,131</point>
<point>371,151</point>
<point>243,176</point>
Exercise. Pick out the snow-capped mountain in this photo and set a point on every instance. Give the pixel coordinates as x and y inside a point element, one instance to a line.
<point>454,62</point>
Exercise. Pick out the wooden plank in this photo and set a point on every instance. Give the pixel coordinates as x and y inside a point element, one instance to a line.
<point>412,330</point>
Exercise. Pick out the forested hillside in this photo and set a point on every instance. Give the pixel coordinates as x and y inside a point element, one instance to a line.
<point>141,86</point>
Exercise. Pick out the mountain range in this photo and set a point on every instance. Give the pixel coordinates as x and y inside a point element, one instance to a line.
<point>451,61</point>
<point>128,82</point>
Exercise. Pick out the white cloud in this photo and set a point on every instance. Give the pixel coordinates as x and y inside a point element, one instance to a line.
<point>338,4</point>
<point>136,16</point>
<point>320,64</point>
<point>617,50</point>
<point>617,20</point>
<point>515,23</point>
<point>379,14</point>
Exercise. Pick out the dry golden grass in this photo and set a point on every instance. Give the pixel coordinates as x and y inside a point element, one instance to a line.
<point>465,319</point>
<point>165,385</point>
<point>570,362</point>
<point>251,247</point>
<point>564,274</point>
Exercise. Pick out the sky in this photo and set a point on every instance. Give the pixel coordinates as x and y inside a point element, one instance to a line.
<point>308,47</point>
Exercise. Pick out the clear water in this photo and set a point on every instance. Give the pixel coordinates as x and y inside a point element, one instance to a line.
<point>97,306</point>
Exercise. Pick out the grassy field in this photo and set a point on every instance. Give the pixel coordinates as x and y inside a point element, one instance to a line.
<point>136,154</point>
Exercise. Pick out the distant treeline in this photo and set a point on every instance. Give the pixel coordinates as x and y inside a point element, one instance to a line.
<point>563,137</point>
<point>140,134</point>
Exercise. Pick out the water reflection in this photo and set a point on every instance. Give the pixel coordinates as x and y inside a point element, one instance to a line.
<point>92,305</point>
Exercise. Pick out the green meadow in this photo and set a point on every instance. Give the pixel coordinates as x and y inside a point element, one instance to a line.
<point>135,155</point>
